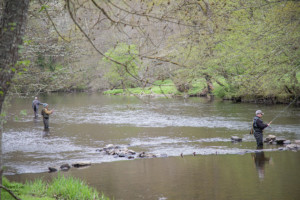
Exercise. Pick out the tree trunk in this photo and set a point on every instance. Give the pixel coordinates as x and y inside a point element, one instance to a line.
<point>210,87</point>
<point>12,28</point>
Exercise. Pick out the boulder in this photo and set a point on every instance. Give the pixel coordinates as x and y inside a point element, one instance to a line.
<point>236,139</point>
<point>287,142</point>
<point>52,169</point>
<point>122,154</point>
<point>280,140</point>
<point>297,141</point>
<point>81,164</point>
<point>146,155</point>
<point>65,167</point>
<point>131,152</point>
<point>117,152</point>
<point>293,146</point>
<point>270,138</point>
<point>109,146</point>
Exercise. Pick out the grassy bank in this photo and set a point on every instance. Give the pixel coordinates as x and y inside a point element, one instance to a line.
<point>160,87</point>
<point>59,188</point>
<point>221,90</point>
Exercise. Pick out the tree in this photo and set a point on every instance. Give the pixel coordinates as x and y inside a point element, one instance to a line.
<point>12,27</point>
<point>250,48</point>
<point>117,74</point>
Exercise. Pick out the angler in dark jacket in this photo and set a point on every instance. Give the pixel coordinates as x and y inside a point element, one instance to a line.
<point>258,127</point>
<point>35,106</point>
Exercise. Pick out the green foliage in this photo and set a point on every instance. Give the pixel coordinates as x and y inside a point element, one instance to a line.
<point>23,112</point>
<point>163,87</point>
<point>46,64</point>
<point>60,188</point>
<point>124,65</point>
<point>113,92</point>
<point>252,45</point>
<point>70,188</point>
<point>13,186</point>
<point>159,87</point>
<point>43,7</point>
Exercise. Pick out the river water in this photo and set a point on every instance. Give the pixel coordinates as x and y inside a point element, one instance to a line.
<point>220,169</point>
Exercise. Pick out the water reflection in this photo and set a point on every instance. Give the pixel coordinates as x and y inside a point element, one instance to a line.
<point>260,160</point>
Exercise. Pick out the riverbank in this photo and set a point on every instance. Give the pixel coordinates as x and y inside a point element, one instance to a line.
<point>58,188</point>
<point>168,89</point>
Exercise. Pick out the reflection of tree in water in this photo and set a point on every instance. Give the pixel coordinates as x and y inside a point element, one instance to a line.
<point>260,160</point>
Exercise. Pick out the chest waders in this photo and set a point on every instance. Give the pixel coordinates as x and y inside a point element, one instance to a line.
<point>258,133</point>
<point>45,119</point>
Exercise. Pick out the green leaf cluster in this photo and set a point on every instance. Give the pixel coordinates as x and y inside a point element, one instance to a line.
<point>124,65</point>
<point>250,49</point>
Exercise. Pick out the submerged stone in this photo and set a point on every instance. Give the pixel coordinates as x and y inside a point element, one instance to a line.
<point>82,164</point>
<point>236,139</point>
<point>52,169</point>
<point>280,140</point>
<point>270,139</point>
<point>287,142</point>
<point>293,147</point>
<point>65,167</point>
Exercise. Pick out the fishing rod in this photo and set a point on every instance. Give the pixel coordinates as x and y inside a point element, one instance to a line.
<point>284,109</point>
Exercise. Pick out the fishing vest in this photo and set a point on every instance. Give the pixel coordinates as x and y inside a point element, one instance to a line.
<point>255,127</point>
<point>44,114</point>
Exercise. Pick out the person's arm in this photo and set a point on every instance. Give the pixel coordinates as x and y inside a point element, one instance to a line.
<point>48,111</point>
<point>260,124</point>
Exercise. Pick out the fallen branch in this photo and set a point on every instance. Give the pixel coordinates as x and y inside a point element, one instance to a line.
<point>10,192</point>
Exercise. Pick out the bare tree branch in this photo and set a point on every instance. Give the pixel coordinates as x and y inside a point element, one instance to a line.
<point>53,24</point>
<point>10,192</point>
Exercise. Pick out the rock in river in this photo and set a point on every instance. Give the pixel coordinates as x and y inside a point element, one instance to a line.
<point>81,164</point>
<point>65,167</point>
<point>236,139</point>
<point>270,139</point>
<point>52,169</point>
<point>293,146</point>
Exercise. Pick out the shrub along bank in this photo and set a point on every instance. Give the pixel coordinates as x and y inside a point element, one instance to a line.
<point>199,88</point>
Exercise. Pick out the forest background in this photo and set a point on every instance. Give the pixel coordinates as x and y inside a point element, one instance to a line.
<point>234,49</point>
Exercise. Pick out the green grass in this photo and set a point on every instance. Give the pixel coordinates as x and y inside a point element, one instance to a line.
<point>197,87</point>
<point>59,188</point>
<point>159,87</point>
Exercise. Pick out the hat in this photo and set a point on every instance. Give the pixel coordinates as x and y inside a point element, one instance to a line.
<point>45,105</point>
<point>259,112</point>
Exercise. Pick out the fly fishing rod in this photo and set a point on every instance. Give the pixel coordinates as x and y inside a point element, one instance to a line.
<point>283,110</point>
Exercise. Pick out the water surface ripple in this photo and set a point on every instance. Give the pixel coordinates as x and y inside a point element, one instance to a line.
<point>83,123</point>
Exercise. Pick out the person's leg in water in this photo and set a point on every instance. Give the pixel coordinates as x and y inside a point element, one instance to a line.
<point>35,112</point>
<point>46,124</point>
<point>259,140</point>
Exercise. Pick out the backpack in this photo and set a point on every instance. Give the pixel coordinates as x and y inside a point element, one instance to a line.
<point>251,131</point>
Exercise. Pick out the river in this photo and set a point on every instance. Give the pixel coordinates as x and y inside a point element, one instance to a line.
<point>220,169</point>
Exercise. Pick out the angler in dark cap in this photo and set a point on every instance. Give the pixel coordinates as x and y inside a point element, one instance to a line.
<point>258,127</point>
<point>46,113</point>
